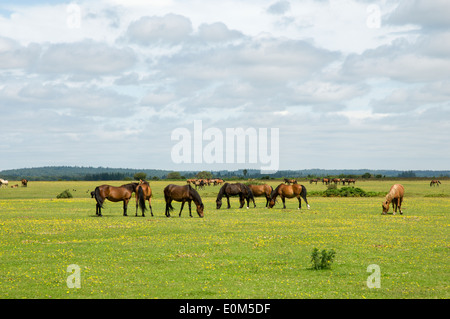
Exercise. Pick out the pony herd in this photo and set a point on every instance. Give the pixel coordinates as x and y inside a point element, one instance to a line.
<point>4,183</point>
<point>143,193</point>
<point>246,193</point>
<point>186,193</point>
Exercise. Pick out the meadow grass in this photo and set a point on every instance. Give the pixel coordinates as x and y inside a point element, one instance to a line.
<point>230,253</point>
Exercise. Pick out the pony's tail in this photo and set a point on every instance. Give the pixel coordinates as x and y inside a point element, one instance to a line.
<point>303,194</point>
<point>98,198</point>
<point>141,199</point>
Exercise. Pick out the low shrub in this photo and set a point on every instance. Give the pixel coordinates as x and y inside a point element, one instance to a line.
<point>322,260</point>
<point>65,194</point>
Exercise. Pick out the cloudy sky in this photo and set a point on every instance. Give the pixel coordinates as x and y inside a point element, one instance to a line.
<point>349,84</point>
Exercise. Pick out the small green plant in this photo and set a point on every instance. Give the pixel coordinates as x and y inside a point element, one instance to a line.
<point>65,194</point>
<point>322,260</point>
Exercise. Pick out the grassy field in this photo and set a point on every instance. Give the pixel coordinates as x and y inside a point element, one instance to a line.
<point>235,253</point>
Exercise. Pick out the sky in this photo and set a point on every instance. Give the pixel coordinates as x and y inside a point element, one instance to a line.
<point>352,84</point>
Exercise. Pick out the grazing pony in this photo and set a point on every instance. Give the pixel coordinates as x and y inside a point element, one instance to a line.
<point>289,191</point>
<point>113,194</point>
<point>290,181</point>
<point>24,182</point>
<point>143,193</point>
<point>238,189</point>
<point>395,196</point>
<point>3,182</point>
<point>261,190</point>
<point>182,194</point>
<point>434,182</point>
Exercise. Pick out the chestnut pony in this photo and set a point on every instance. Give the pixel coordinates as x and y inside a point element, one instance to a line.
<point>395,196</point>
<point>143,193</point>
<point>114,194</point>
<point>289,191</point>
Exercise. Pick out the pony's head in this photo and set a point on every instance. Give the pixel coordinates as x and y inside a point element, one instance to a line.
<point>200,208</point>
<point>218,203</point>
<point>385,206</point>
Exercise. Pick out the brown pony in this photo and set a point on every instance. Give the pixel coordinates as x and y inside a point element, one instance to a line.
<point>395,196</point>
<point>261,190</point>
<point>289,191</point>
<point>24,182</point>
<point>143,193</point>
<point>434,182</point>
<point>182,194</point>
<point>237,189</point>
<point>114,194</point>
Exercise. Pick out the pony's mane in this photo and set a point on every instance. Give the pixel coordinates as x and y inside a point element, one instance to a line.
<point>221,191</point>
<point>195,195</point>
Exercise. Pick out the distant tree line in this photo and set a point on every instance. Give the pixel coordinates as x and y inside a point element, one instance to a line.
<point>69,173</point>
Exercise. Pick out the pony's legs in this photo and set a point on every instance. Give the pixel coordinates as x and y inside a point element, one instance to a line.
<point>400,200</point>
<point>299,202</point>
<point>241,201</point>
<point>228,201</point>
<point>168,205</point>
<point>98,210</point>
<point>125,205</point>
<point>189,203</point>
<point>150,205</point>
<point>182,205</point>
<point>282,199</point>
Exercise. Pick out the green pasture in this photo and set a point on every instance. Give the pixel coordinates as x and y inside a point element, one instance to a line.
<point>235,253</point>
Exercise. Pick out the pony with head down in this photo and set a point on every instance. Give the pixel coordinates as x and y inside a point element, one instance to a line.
<point>395,196</point>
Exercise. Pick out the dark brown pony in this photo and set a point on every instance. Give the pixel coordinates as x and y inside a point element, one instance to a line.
<point>113,194</point>
<point>395,196</point>
<point>143,193</point>
<point>238,189</point>
<point>289,191</point>
<point>182,194</point>
<point>261,190</point>
<point>434,182</point>
<point>24,182</point>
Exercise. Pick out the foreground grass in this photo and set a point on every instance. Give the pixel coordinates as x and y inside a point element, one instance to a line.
<point>254,253</point>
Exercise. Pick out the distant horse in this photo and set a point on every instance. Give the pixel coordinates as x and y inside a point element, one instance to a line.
<point>395,196</point>
<point>290,181</point>
<point>261,190</point>
<point>182,194</point>
<point>434,182</point>
<point>289,191</point>
<point>113,194</point>
<point>3,182</point>
<point>243,191</point>
<point>143,193</point>
<point>24,182</point>
<point>350,180</point>
<point>314,180</point>
<point>325,181</point>
<point>336,180</point>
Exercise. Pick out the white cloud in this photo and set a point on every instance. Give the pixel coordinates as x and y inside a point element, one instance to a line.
<point>85,57</point>
<point>170,28</point>
<point>139,69</point>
